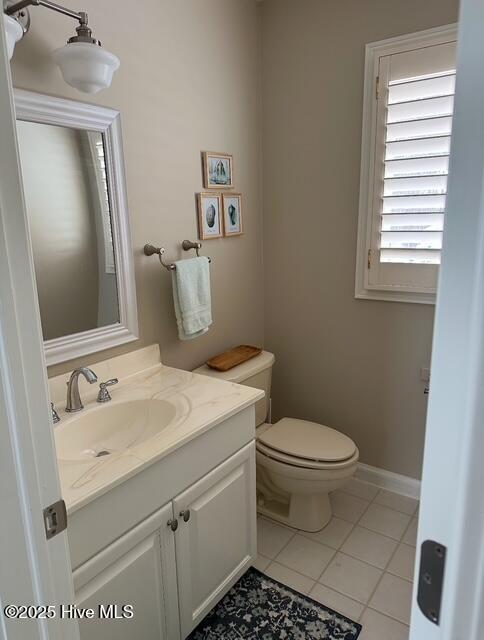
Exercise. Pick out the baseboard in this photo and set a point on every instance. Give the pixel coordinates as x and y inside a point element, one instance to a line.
<point>388,480</point>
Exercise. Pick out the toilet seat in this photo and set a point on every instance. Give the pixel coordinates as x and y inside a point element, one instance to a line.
<point>302,463</point>
<point>306,444</point>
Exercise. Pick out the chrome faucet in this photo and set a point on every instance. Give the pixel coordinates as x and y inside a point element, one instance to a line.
<point>73,398</point>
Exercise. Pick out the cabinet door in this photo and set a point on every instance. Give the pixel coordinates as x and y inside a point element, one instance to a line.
<point>217,543</point>
<point>138,570</point>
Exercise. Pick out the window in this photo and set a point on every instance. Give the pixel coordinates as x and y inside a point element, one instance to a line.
<point>99,185</point>
<point>106,208</point>
<point>407,125</point>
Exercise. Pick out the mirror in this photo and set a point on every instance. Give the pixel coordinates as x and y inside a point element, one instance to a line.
<point>67,200</point>
<point>71,161</point>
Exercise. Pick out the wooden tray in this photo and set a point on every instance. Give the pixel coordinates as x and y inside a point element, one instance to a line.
<point>233,357</point>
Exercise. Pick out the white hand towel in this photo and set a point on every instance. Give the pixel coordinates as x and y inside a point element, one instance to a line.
<point>191,297</point>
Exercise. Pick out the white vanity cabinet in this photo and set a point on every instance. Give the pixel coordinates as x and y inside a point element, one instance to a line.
<point>177,563</point>
<point>216,537</point>
<point>138,570</point>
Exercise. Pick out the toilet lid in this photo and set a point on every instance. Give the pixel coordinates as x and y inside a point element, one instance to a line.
<point>308,440</point>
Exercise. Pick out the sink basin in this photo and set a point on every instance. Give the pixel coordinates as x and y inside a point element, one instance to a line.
<point>112,428</point>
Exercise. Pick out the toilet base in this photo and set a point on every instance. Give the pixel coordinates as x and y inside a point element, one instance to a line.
<point>309,513</point>
<point>299,496</point>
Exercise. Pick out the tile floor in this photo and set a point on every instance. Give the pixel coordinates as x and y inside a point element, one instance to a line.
<point>361,564</point>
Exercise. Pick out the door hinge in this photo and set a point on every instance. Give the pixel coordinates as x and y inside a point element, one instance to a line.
<point>369,259</point>
<point>55,519</point>
<point>377,87</point>
<point>431,579</point>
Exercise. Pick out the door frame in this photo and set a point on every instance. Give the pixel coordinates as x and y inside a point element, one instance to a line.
<point>453,474</point>
<point>33,571</point>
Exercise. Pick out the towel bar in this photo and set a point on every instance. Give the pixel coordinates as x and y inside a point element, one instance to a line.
<point>150,250</point>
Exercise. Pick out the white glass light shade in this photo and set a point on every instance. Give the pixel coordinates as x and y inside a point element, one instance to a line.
<point>13,32</point>
<point>86,67</point>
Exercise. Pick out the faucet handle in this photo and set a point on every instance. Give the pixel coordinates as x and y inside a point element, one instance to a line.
<point>55,415</point>
<point>103,395</point>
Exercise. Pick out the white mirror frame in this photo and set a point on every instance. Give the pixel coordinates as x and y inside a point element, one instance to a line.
<point>36,107</point>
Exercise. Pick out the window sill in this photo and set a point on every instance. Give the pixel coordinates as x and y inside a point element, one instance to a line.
<point>395,296</point>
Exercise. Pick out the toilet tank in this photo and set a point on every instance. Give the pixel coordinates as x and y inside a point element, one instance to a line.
<point>256,373</point>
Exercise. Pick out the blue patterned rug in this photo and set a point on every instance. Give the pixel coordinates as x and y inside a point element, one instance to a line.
<point>260,608</point>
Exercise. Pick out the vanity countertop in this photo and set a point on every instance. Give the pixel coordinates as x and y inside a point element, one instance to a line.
<point>199,403</point>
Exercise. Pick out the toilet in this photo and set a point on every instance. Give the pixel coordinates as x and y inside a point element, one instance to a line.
<point>298,462</point>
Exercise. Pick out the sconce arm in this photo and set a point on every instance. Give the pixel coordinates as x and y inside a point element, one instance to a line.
<point>81,16</point>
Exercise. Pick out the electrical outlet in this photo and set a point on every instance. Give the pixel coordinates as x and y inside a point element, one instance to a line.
<point>425,374</point>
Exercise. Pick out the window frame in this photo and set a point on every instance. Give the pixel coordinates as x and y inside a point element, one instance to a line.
<point>374,51</point>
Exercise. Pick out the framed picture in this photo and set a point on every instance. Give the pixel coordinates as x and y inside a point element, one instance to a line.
<point>232,210</point>
<point>210,215</point>
<point>217,170</point>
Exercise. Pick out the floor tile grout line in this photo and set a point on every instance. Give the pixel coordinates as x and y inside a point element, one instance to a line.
<point>303,575</point>
<point>402,496</point>
<point>381,578</point>
<point>353,495</point>
<point>365,606</point>
<point>276,559</point>
<point>334,552</point>
<point>387,570</point>
<point>390,559</point>
<point>395,575</point>
<point>325,544</point>
<point>369,505</point>
<point>344,595</point>
<point>399,540</point>
<point>339,550</point>
<point>316,583</point>
<point>382,570</point>
<point>373,500</point>
<point>293,533</point>
<point>387,615</point>
<point>379,490</point>
<point>346,537</point>
<point>369,564</point>
<point>405,532</point>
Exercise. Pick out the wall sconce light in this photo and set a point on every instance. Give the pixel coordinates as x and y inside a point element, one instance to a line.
<point>83,63</point>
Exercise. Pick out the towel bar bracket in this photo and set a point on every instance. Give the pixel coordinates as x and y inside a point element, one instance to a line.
<point>187,245</point>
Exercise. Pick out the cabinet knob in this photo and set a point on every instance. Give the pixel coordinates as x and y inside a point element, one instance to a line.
<point>185,515</point>
<point>173,524</point>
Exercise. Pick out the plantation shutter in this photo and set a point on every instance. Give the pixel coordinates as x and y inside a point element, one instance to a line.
<point>415,96</point>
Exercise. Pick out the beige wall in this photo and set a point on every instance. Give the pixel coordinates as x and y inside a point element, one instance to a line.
<point>350,363</point>
<point>188,82</point>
